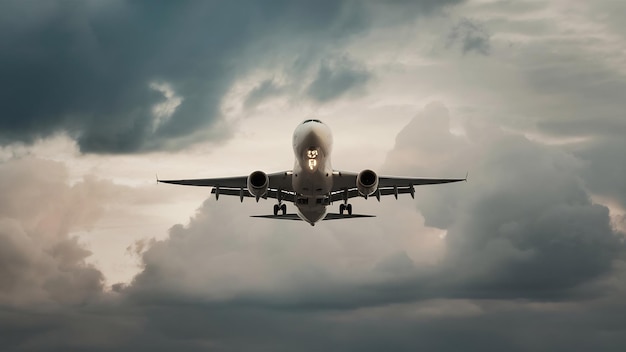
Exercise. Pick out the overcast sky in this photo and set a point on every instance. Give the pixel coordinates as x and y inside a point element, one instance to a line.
<point>96,97</point>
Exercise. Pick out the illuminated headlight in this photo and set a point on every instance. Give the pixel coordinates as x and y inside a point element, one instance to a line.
<point>311,156</point>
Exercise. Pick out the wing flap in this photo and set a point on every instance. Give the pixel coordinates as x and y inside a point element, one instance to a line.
<point>390,181</point>
<point>231,182</point>
<point>243,193</point>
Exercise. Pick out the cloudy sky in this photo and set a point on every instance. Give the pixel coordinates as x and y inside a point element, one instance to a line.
<point>96,97</point>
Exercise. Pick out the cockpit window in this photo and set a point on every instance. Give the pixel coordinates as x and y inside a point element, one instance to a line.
<point>311,120</point>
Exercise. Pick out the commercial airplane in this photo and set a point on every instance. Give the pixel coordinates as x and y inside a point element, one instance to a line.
<point>313,184</point>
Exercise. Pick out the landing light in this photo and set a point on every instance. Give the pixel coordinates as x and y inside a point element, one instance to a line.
<point>312,164</point>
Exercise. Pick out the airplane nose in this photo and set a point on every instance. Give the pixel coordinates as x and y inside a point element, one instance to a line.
<point>314,136</point>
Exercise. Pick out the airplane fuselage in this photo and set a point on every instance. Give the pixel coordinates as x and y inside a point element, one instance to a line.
<point>312,172</point>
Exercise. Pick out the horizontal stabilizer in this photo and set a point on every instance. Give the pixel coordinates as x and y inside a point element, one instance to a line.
<point>329,216</point>
<point>335,216</point>
<point>279,217</point>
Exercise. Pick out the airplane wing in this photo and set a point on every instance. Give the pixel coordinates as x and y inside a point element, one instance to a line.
<point>280,186</point>
<point>344,185</point>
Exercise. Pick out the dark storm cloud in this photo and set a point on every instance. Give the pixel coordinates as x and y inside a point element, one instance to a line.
<point>85,67</point>
<point>266,89</point>
<point>470,36</point>
<point>604,167</point>
<point>522,226</point>
<point>335,79</point>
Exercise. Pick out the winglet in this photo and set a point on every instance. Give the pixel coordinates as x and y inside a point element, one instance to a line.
<point>157,178</point>
<point>466,174</point>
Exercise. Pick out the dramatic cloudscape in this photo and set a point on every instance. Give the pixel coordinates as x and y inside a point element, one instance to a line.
<point>96,97</point>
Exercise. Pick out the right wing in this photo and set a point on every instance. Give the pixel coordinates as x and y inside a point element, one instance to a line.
<point>280,186</point>
<point>344,185</point>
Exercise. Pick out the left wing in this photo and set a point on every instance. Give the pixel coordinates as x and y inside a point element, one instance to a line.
<point>280,186</point>
<point>344,185</point>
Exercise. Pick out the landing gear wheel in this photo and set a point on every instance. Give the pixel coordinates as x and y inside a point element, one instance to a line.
<point>276,209</point>
<point>349,208</point>
<point>342,207</point>
<point>283,207</point>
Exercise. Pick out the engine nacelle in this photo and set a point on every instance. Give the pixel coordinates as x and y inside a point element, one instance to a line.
<point>258,182</point>
<point>367,182</point>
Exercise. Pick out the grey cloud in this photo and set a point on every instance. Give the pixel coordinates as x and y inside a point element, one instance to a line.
<point>570,92</point>
<point>523,225</point>
<point>40,263</point>
<point>604,167</point>
<point>334,79</point>
<point>471,36</point>
<point>525,251</point>
<point>85,67</point>
<point>441,325</point>
<point>573,92</point>
<point>266,89</point>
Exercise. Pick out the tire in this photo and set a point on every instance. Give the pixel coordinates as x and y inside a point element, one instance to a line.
<point>275,209</point>
<point>349,207</point>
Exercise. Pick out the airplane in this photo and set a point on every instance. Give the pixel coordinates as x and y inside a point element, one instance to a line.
<point>312,184</point>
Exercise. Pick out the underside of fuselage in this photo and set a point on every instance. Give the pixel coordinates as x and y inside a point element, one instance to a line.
<point>312,174</point>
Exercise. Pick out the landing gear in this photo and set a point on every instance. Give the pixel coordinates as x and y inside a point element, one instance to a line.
<point>280,207</point>
<point>345,207</point>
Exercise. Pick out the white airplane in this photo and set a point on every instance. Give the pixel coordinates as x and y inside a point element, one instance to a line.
<point>313,184</point>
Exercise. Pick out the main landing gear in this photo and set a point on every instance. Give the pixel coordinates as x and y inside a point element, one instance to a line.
<point>345,207</point>
<point>280,207</point>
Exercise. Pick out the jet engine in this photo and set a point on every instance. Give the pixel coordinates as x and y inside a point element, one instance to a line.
<point>367,182</point>
<point>258,182</point>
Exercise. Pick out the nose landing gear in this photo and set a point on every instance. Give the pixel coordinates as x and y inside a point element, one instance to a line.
<point>345,207</point>
<point>280,207</point>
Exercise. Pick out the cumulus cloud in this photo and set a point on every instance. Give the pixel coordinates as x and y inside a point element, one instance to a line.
<point>41,262</point>
<point>524,225</point>
<point>524,244</point>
